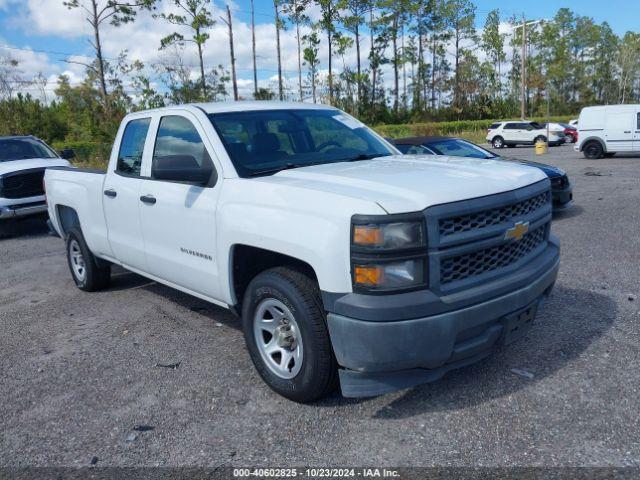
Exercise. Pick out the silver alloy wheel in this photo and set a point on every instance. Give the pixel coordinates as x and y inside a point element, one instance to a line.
<point>77,260</point>
<point>497,143</point>
<point>278,338</point>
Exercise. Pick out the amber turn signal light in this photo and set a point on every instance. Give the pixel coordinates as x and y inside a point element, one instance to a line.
<point>369,276</point>
<point>367,235</point>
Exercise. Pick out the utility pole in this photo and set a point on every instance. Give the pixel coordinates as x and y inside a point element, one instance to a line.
<point>253,44</point>
<point>233,58</point>
<point>523,66</point>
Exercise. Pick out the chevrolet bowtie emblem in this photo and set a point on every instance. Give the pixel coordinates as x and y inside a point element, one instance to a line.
<point>517,231</point>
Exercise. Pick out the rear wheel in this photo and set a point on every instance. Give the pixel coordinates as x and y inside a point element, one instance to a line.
<point>593,150</point>
<point>88,272</point>
<point>498,142</point>
<point>540,138</point>
<point>286,334</point>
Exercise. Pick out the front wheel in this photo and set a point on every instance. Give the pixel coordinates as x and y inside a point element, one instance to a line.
<point>88,272</point>
<point>286,334</point>
<point>593,151</point>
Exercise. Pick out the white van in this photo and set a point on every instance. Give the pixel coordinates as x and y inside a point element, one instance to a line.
<point>604,131</point>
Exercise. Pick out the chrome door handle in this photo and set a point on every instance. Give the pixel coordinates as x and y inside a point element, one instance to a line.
<point>111,193</point>
<point>148,199</point>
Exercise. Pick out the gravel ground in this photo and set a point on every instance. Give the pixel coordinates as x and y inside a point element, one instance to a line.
<point>79,370</point>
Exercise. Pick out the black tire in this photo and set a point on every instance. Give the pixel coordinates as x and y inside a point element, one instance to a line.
<point>593,150</point>
<point>497,142</point>
<point>318,374</point>
<point>97,273</point>
<point>540,138</point>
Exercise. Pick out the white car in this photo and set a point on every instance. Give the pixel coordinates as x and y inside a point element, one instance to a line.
<point>606,130</point>
<point>510,134</point>
<point>347,261</point>
<point>23,160</point>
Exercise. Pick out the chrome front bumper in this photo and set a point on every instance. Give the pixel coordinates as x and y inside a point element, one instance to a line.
<point>16,211</point>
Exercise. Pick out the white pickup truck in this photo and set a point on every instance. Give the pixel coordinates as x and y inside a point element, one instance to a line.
<point>348,262</point>
<point>23,160</point>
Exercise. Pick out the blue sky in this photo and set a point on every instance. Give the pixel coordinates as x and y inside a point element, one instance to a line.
<point>52,32</point>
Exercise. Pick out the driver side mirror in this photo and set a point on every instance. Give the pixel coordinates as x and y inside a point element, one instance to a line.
<point>182,168</point>
<point>67,153</point>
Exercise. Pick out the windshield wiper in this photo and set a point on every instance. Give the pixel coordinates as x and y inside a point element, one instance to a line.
<point>365,156</point>
<point>286,166</point>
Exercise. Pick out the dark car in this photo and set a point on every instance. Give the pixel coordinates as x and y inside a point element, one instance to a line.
<point>561,189</point>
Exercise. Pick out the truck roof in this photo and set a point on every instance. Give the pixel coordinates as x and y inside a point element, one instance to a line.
<point>243,106</point>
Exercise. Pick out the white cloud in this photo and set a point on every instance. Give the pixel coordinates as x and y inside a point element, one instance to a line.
<point>51,17</point>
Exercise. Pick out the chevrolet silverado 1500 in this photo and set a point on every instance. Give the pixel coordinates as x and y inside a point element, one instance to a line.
<point>348,263</point>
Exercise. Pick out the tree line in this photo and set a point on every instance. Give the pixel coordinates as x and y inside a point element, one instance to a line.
<point>415,60</point>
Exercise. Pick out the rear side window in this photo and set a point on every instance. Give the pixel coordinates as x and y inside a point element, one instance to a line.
<point>132,147</point>
<point>493,126</point>
<point>179,146</point>
<point>638,122</point>
<point>512,126</point>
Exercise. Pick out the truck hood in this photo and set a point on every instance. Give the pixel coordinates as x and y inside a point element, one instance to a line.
<point>402,183</point>
<point>27,164</point>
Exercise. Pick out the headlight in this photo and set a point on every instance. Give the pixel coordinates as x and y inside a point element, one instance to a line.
<point>389,236</point>
<point>390,276</point>
<point>388,253</point>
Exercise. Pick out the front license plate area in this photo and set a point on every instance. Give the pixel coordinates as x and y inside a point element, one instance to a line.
<point>517,324</point>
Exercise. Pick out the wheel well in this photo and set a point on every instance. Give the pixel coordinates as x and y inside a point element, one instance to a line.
<point>68,218</point>
<point>248,261</point>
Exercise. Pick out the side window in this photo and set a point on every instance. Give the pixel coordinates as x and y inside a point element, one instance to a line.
<point>132,147</point>
<point>179,153</point>
<point>493,126</point>
<point>638,122</point>
<point>511,126</point>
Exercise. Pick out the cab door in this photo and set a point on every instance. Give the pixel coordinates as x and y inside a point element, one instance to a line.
<point>121,195</point>
<point>178,206</point>
<point>619,130</point>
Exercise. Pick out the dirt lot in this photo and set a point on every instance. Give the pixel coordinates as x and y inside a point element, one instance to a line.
<point>79,370</point>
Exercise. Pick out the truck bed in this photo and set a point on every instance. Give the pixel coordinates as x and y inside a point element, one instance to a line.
<point>80,190</point>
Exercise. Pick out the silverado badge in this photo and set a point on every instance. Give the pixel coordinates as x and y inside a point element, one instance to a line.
<point>517,231</point>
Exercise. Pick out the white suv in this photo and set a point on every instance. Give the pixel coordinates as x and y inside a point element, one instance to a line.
<point>520,133</point>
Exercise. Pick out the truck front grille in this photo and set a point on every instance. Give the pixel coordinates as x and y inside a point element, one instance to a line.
<point>467,240</point>
<point>494,216</point>
<point>22,184</point>
<point>475,263</point>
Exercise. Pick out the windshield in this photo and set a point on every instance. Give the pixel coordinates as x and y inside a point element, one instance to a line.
<point>24,148</point>
<point>265,142</point>
<point>459,148</point>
